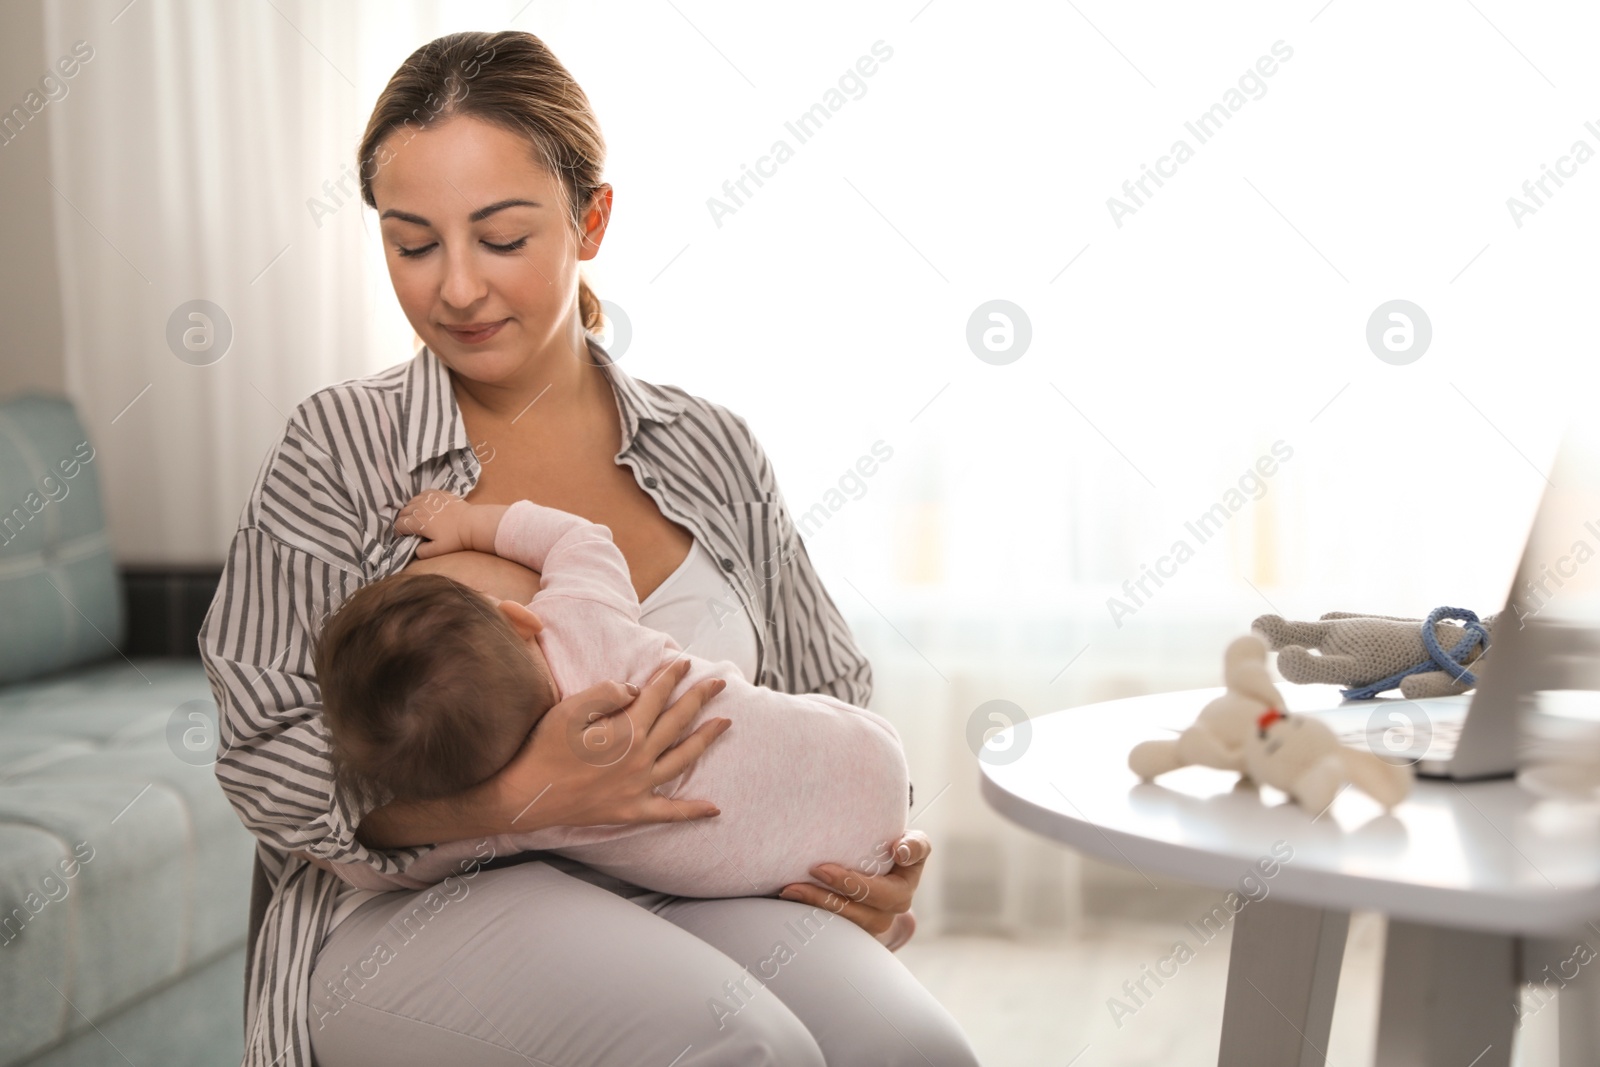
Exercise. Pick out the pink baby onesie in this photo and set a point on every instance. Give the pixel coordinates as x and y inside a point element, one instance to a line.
<point>800,779</point>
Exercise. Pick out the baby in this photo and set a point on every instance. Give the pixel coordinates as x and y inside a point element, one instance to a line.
<point>429,688</point>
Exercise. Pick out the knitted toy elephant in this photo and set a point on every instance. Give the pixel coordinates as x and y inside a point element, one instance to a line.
<point>1365,651</point>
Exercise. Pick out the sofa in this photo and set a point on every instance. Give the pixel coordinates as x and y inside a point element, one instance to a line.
<point>124,873</point>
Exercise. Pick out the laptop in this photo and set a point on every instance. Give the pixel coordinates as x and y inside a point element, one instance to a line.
<point>1546,643</point>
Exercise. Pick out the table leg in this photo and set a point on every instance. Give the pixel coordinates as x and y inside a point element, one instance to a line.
<point>1578,1017</point>
<point>1283,972</point>
<point>1449,998</point>
<point>1562,974</point>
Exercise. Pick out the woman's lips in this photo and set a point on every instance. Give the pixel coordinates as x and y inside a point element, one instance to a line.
<point>475,334</point>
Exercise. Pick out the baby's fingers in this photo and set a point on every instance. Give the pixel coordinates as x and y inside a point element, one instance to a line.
<point>431,499</point>
<point>410,521</point>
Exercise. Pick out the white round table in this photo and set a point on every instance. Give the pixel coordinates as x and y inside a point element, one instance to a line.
<point>1479,880</point>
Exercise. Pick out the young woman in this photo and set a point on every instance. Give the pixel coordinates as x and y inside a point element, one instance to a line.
<point>483,159</point>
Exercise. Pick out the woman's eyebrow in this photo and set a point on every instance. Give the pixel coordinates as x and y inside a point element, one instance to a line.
<point>477,216</point>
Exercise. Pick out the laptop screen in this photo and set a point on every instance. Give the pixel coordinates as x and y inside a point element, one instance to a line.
<point>1558,580</point>
<point>1538,694</point>
<point>1545,670</point>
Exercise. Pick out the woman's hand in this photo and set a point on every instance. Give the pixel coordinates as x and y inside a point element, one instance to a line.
<point>587,763</point>
<point>872,902</point>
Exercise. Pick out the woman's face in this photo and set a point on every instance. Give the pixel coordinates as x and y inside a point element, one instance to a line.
<point>475,232</point>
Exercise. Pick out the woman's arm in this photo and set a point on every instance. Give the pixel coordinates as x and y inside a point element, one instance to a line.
<point>256,645</point>
<point>399,824</point>
<point>812,631</point>
<point>272,757</point>
<point>567,773</point>
<point>303,546</point>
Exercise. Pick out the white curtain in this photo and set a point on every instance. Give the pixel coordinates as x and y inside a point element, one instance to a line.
<point>1169,353</point>
<point>199,155</point>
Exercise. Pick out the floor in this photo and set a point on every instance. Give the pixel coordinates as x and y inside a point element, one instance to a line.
<point>1044,1000</point>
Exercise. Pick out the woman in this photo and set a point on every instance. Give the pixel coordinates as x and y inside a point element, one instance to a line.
<point>483,160</point>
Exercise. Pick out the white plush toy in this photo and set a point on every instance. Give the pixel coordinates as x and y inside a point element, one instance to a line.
<point>1247,730</point>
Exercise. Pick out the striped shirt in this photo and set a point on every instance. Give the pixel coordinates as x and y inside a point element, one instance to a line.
<point>318,525</point>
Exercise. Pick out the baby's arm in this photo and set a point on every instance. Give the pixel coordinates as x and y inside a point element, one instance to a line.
<point>447,523</point>
<point>574,556</point>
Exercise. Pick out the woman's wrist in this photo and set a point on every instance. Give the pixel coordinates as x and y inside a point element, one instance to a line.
<point>505,812</point>
<point>901,927</point>
<point>481,811</point>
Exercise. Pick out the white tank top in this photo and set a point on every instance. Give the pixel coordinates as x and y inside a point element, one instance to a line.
<point>700,608</point>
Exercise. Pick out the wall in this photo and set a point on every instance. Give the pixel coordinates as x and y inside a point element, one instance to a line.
<point>30,293</point>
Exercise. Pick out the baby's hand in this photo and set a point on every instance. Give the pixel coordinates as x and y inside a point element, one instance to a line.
<point>440,517</point>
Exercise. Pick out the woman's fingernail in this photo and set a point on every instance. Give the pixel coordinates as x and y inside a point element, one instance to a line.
<point>903,854</point>
<point>789,894</point>
<point>632,689</point>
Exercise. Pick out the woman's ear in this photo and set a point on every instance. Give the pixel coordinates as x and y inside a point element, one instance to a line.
<point>595,220</point>
<point>526,623</point>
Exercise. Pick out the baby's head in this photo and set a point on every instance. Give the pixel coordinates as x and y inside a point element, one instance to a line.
<point>428,687</point>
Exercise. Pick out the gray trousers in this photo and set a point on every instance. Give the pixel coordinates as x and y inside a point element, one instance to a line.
<point>550,962</point>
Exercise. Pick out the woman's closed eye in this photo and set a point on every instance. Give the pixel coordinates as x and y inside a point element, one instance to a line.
<point>505,249</point>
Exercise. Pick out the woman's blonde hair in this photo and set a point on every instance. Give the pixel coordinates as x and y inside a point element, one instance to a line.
<point>508,78</point>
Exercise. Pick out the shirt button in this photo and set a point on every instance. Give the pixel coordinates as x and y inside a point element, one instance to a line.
<point>727,564</point>
<point>650,482</point>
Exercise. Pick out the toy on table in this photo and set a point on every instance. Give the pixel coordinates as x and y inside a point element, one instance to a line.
<point>1246,729</point>
<point>1373,653</point>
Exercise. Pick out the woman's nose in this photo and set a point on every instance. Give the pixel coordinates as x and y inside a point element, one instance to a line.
<point>463,284</point>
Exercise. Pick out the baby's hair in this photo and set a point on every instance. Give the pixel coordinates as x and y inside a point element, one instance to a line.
<point>418,673</point>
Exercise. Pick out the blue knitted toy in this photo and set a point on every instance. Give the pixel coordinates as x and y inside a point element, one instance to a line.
<point>1370,654</point>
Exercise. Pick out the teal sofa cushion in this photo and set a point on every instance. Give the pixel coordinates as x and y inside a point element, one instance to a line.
<point>159,863</point>
<point>58,581</point>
